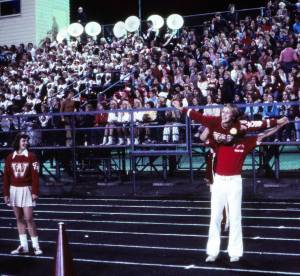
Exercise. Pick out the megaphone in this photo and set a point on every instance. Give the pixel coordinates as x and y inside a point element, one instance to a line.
<point>119,29</point>
<point>92,29</point>
<point>157,21</point>
<point>62,34</point>
<point>75,29</point>
<point>132,24</point>
<point>175,22</point>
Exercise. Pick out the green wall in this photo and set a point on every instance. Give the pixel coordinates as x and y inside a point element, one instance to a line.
<point>46,13</point>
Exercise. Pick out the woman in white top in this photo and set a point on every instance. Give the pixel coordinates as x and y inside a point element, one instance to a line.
<point>124,122</point>
<point>202,84</point>
<point>111,123</point>
<point>211,111</point>
<point>138,120</point>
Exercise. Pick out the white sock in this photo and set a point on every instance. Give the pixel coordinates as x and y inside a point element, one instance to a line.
<point>35,242</point>
<point>24,241</point>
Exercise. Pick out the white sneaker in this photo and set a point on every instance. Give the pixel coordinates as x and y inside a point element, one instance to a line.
<point>210,259</point>
<point>234,259</point>
<point>37,251</point>
<point>19,251</point>
<point>104,142</point>
<point>110,141</point>
<point>121,141</point>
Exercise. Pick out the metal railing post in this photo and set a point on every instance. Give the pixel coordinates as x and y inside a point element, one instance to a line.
<point>254,183</point>
<point>132,159</point>
<point>189,147</point>
<point>74,150</point>
<point>277,163</point>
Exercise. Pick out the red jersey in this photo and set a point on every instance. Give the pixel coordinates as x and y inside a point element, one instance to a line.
<point>230,158</point>
<point>224,135</point>
<point>101,119</point>
<point>21,170</point>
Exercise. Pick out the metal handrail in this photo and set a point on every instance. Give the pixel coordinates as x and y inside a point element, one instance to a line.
<point>186,148</point>
<point>203,14</point>
<point>199,107</point>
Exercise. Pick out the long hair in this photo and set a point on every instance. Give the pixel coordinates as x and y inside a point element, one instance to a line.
<point>16,142</point>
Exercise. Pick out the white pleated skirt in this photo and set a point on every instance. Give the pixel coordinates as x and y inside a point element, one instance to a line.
<point>21,197</point>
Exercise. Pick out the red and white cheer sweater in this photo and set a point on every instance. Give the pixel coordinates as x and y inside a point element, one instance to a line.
<point>21,170</point>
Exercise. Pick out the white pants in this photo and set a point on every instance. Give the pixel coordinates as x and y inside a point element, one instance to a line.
<point>226,190</point>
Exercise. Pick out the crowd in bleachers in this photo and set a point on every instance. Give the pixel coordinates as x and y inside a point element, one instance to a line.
<point>229,60</point>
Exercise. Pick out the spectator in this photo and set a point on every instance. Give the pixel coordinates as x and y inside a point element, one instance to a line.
<point>211,111</point>
<point>149,118</point>
<point>219,24</point>
<point>296,26</point>
<point>110,127</point>
<point>5,124</point>
<point>249,57</point>
<point>81,16</point>
<point>68,105</point>
<point>270,111</point>
<point>286,59</point>
<point>297,118</point>
<point>45,123</point>
<point>123,122</point>
<point>232,15</point>
<point>100,121</point>
<point>286,110</point>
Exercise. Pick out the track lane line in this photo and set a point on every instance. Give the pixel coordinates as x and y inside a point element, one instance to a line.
<point>156,234</point>
<point>281,227</point>
<point>185,267</point>
<point>161,248</point>
<point>148,214</point>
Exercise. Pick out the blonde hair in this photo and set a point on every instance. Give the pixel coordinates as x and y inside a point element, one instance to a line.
<point>234,110</point>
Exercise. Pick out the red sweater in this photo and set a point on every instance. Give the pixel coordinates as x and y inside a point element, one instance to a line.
<point>101,119</point>
<point>230,159</point>
<point>21,171</point>
<point>220,134</point>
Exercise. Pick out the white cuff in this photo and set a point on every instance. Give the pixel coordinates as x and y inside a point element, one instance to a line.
<point>188,112</point>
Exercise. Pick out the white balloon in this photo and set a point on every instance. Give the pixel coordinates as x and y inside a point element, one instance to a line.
<point>119,29</point>
<point>75,29</point>
<point>62,34</point>
<point>132,23</point>
<point>156,20</point>
<point>92,28</point>
<point>175,21</point>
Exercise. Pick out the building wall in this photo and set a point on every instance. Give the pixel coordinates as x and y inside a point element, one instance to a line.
<point>34,22</point>
<point>54,14</point>
<point>18,29</point>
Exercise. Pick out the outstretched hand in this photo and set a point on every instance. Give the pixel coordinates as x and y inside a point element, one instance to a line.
<point>282,121</point>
